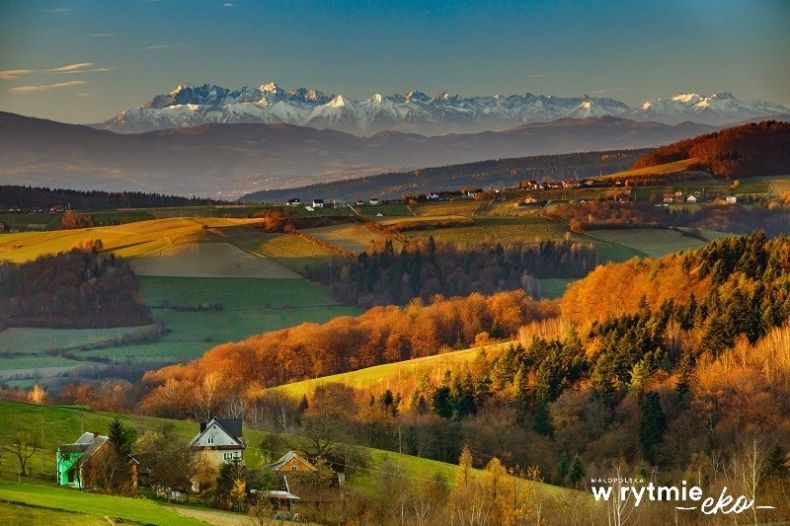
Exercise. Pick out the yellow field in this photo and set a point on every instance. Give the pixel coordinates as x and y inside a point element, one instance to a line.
<point>659,170</point>
<point>394,376</point>
<point>208,260</point>
<point>448,208</point>
<point>130,240</point>
<point>352,237</point>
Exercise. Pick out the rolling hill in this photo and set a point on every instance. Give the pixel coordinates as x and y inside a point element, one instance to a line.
<point>229,160</point>
<point>491,173</point>
<point>743,151</point>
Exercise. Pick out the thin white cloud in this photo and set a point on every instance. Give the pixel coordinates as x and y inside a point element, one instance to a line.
<point>228,4</point>
<point>85,94</point>
<point>92,70</point>
<point>162,46</point>
<point>58,10</point>
<point>82,67</point>
<point>71,67</point>
<point>609,90</point>
<point>102,35</point>
<point>20,90</point>
<point>536,76</point>
<point>15,73</point>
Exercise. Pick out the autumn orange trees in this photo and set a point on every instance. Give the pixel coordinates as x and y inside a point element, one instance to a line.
<point>742,151</point>
<point>380,335</point>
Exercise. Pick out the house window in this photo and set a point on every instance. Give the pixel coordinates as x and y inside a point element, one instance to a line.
<point>228,457</point>
<point>294,468</point>
<point>210,440</point>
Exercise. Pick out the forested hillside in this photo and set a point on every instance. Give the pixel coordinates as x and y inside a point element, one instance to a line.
<point>743,151</point>
<point>380,335</point>
<point>492,173</point>
<point>385,277</point>
<point>26,197</point>
<point>76,289</point>
<point>646,363</point>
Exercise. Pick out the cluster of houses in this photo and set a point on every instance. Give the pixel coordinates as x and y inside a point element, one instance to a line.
<point>567,184</point>
<point>320,203</point>
<point>218,441</point>
<point>692,198</point>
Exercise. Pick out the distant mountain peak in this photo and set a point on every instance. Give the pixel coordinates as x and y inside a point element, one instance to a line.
<point>190,105</point>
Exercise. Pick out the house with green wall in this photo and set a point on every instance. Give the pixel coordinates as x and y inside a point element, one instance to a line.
<point>72,459</point>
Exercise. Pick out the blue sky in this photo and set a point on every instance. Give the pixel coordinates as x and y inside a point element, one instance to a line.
<point>120,54</point>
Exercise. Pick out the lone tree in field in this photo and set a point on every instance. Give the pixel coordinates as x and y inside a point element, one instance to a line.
<point>72,220</point>
<point>21,445</point>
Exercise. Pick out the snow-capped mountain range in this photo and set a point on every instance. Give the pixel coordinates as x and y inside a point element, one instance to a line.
<point>416,112</point>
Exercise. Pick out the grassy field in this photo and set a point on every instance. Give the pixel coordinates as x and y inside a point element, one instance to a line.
<point>109,507</point>
<point>392,375</point>
<point>461,207</point>
<point>246,306</point>
<point>249,306</point>
<point>351,237</point>
<point>27,515</point>
<point>553,287</point>
<point>655,242</point>
<point>129,240</point>
<point>660,170</point>
<point>289,250</point>
<point>23,340</point>
<point>490,230</point>
<point>209,260</point>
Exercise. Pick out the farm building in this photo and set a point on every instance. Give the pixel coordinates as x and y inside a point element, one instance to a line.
<point>74,461</point>
<point>294,201</point>
<point>318,203</point>
<point>292,462</point>
<point>219,439</point>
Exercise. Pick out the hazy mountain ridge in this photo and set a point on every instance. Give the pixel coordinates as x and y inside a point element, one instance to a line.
<point>415,112</point>
<point>229,160</point>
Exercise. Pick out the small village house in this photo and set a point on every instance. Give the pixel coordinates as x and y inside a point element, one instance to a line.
<point>294,201</point>
<point>220,440</point>
<point>74,461</point>
<point>318,203</point>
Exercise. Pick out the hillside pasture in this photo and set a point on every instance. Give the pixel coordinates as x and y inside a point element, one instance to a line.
<point>459,207</point>
<point>209,260</point>
<point>27,515</point>
<point>683,168</point>
<point>289,250</point>
<point>394,376</point>
<point>352,237</point>
<point>201,313</point>
<point>111,507</point>
<point>62,424</point>
<point>489,230</point>
<point>128,240</point>
<point>656,242</point>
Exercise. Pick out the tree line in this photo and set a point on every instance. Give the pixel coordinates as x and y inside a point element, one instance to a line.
<point>29,197</point>
<point>80,288</point>
<point>380,335</point>
<point>743,151</point>
<point>388,277</point>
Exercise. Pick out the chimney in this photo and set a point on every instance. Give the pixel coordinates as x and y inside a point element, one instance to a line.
<point>202,426</point>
